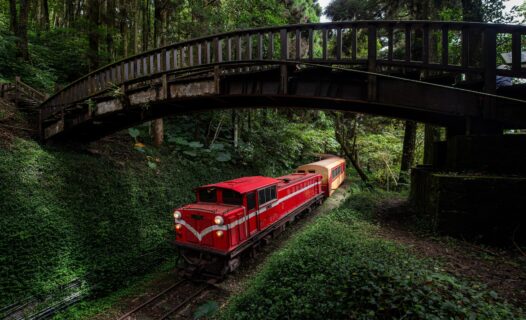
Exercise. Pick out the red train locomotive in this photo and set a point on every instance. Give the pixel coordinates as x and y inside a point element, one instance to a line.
<point>232,216</point>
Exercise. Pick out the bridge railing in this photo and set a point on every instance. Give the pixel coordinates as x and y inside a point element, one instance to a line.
<point>426,45</point>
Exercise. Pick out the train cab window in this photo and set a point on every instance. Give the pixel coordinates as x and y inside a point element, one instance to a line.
<point>208,195</point>
<point>232,197</point>
<point>312,171</point>
<point>266,195</point>
<point>251,201</point>
<point>301,171</point>
<point>336,171</point>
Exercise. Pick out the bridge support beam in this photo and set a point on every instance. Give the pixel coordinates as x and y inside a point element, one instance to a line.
<point>475,188</point>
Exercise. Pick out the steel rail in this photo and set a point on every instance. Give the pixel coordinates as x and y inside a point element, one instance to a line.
<point>147,302</point>
<point>183,303</point>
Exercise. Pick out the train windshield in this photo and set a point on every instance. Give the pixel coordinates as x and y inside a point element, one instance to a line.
<point>208,195</point>
<point>232,197</point>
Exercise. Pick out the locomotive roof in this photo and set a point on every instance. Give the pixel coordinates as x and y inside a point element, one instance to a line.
<point>244,184</point>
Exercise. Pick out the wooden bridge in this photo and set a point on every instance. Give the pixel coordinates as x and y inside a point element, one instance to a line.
<point>442,73</point>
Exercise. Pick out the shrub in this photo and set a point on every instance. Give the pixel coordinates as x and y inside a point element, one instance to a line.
<point>335,269</point>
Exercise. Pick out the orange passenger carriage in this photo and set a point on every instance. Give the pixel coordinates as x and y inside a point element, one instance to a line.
<point>232,216</point>
<point>331,169</point>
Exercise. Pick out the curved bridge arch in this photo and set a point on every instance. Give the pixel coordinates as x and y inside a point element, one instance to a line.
<point>331,65</point>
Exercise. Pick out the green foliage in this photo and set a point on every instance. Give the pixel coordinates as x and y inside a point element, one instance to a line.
<point>69,216</point>
<point>335,269</point>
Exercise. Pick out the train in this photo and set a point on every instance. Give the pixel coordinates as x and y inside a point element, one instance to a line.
<point>233,217</point>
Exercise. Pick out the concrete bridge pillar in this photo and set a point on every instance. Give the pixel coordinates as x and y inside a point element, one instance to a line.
<point>475,186</point>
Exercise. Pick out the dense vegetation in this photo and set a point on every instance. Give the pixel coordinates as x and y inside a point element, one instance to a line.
<point>101,219</point>
<point>337,269</point>
<point>67,215</point>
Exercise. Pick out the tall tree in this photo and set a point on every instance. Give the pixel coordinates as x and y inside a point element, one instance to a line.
<point>408,150</point>
<point>158,35</point>
<point>20,27</point>
<point>93,33</point>
<point>43,16</point>
<point>13,13</point>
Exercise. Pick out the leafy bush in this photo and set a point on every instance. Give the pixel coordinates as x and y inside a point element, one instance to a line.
<point>336,270</point>
<point>70,216</point>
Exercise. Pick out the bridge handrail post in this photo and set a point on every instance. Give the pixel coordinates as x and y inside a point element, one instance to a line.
<point>371,63</point>
<point>217,50</point>
<point>490,69</point>
<point>283,57</point>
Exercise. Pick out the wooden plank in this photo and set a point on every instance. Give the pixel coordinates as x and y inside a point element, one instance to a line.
<point>298,44</point>
<point>516,52</point>
<point>249,45</point>
<point>260,46</point>
<point>208,52</point>
<point>175,57</point>
<point>324,43</point>
<point>229,49</point>
<point>239,48</point>
<point>284,48</point>
<point>191,55</point>
<point>490,59</point>
<point>425,45</point>
<point>339,44</point>
<point>167,60</point>
<point>218,50</point>
<point>199,54</point>
<point>271,46</point>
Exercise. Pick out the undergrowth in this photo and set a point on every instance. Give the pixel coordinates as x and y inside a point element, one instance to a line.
<point>337,269</point>
<point>68,215</point>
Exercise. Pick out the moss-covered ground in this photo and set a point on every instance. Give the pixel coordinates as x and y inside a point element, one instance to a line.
<point>70,215</point>
<point>339,268</point>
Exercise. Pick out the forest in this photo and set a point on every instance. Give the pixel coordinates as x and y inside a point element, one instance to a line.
<point>97,219</point>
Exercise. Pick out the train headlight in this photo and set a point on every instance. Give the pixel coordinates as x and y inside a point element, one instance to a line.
<point>178,226</point>
<point>219,233</point>
<point>177,215</point>
<point>219,220</point>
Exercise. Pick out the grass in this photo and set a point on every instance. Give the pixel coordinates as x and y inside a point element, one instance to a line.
<point>337,269</point>
<point>88,309</point>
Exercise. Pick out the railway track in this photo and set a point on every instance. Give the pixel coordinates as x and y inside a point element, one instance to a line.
<point>168,302</point>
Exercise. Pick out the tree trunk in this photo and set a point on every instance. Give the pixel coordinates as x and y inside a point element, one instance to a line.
<point>44,15</point>
<point>158,125</point>
<point>93,34</point>
<point>124,28</point>
<point>145,25</point>
<point>136,26</point>
<point>13,21</point>
<point>110,23</point>
<point>235,128</point>
<point>158,132</point>
<point>408,153</point>
<point>340,131</point>
<point>21,32</point>
<point>69,12</point>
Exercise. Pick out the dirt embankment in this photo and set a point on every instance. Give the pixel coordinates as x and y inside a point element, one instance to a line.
<point>501,270</point>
